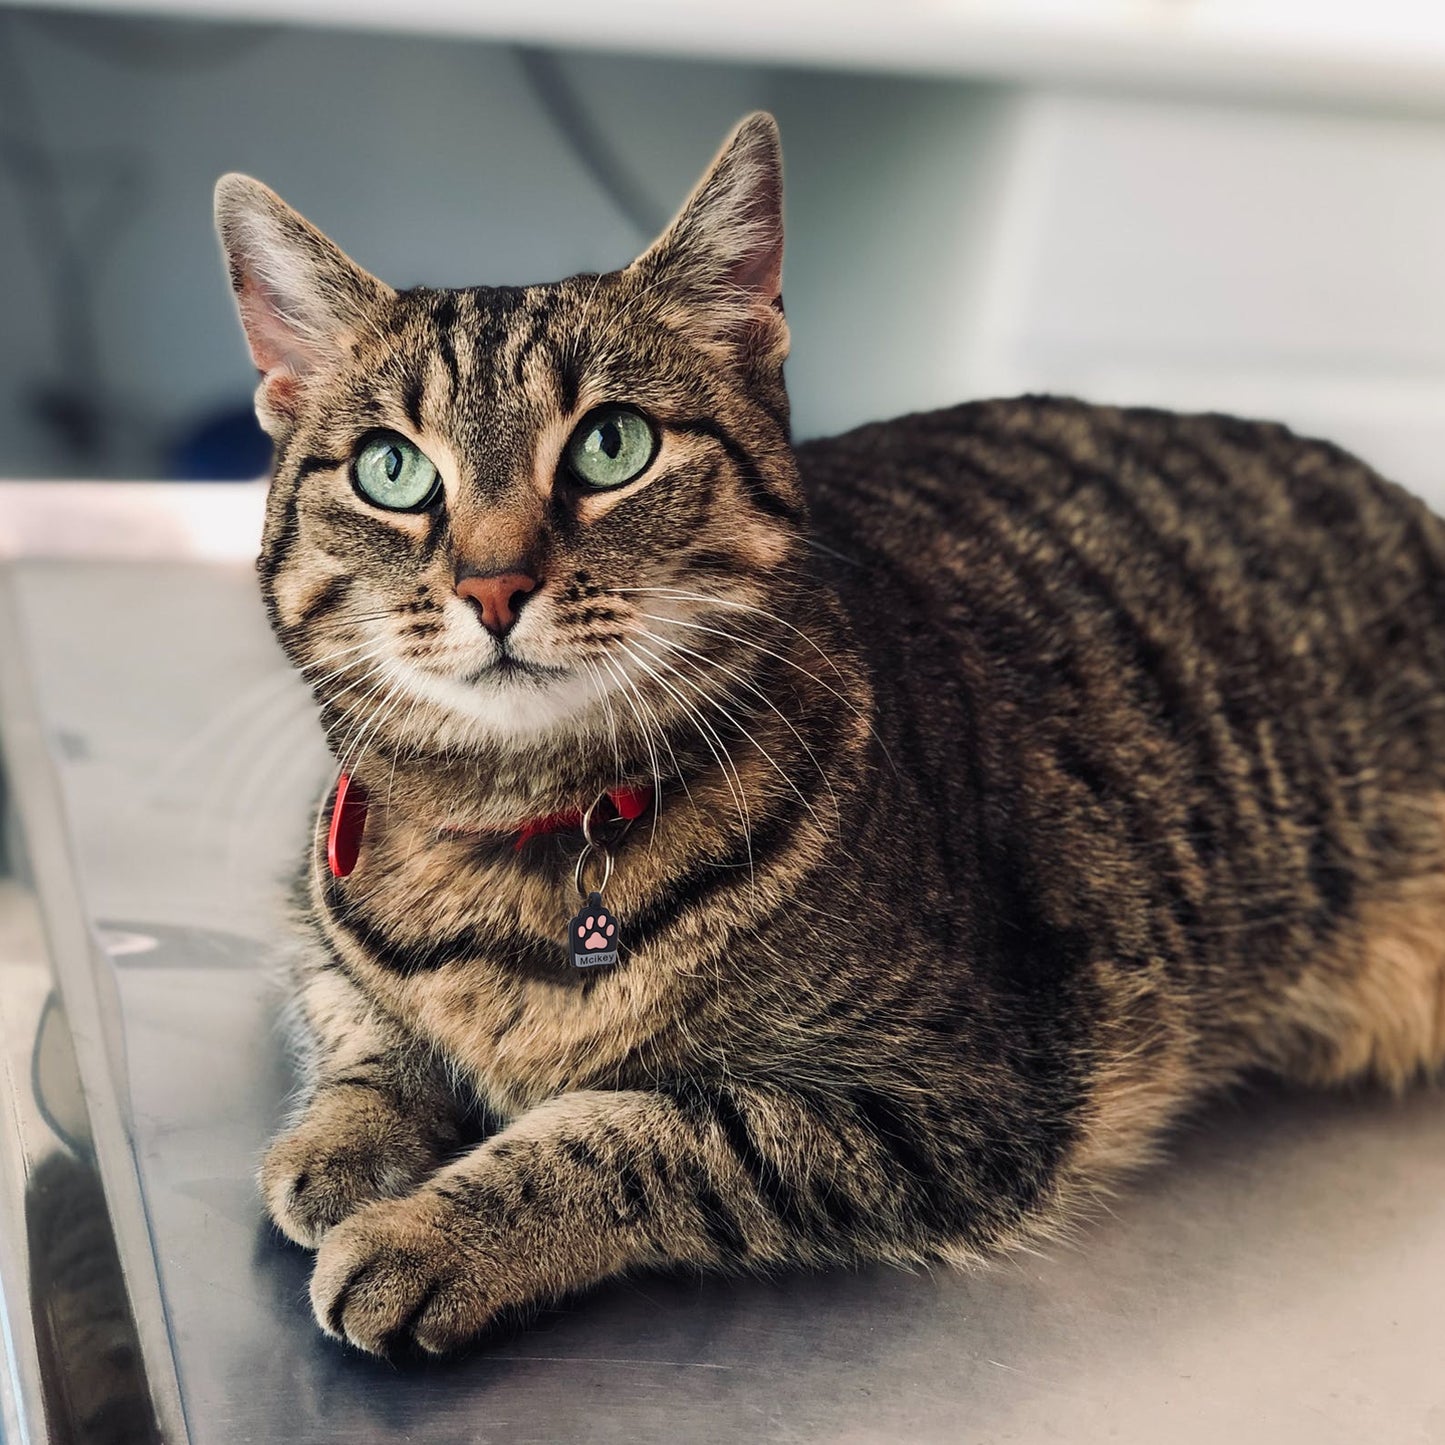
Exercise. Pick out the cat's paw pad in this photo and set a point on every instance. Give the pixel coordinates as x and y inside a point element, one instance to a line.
<point>345,1153</point>
<point>403,1274</point>
<point>595,932</point>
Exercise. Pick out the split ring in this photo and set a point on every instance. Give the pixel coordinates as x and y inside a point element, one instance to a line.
<point>584,857</point>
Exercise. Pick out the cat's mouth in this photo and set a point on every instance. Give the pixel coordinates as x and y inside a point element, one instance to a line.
<point>508,667</point>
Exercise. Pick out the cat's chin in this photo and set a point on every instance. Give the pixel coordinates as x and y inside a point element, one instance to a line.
<point>512,701</point>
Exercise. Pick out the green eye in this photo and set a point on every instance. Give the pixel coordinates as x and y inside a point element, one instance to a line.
<point>613,446</point>
<point>391,472</point>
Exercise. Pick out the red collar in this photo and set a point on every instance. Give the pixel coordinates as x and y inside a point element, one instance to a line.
<point>630,804</point>
<point>348,820</point>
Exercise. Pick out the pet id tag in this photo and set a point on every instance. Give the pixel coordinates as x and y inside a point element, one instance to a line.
<point>592,935</point>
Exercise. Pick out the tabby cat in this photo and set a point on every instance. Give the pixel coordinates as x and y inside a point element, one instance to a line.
<point>979,790</point>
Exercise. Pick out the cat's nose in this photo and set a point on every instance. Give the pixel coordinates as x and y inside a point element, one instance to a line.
<point>498,598</point>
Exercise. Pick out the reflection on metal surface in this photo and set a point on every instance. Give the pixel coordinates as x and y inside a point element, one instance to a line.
<point>119,944</point>
<point>76,1369</point>
<point>86,1336</point>
<point>54,1082</point>
<point>75,1365</point>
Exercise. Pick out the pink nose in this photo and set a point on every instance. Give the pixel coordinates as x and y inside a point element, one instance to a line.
<point>497,599</point>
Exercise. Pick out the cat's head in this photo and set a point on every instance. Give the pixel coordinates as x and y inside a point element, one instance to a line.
<point>500,515</point>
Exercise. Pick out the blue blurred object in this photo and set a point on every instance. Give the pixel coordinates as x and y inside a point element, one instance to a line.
<point>228,446</point>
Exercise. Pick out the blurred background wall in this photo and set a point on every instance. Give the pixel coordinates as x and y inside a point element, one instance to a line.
<point>1264,237</point>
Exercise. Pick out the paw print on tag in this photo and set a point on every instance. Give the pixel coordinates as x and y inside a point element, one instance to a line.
<point>592,935</point>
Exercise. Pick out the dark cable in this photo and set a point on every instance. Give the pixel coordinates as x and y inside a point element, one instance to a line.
<point>554,92</point>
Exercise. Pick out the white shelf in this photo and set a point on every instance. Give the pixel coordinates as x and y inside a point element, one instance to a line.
<point>132,521</point>
<point>1390,51</point>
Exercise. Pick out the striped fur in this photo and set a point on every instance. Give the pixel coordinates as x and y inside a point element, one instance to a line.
<point>1024,772</point>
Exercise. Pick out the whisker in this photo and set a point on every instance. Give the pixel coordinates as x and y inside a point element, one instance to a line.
<point>787,662</point>
<point>382,671</point>
<point>316,883</point>
<point>390,705</point>
<point>321,661</point>
<point>708,735</point>
<point>817,546</point>
<point>766,701</point>
<point>641,728</point>
<point>396,752</point>
<point>768,757</point>
<point>342,755</point>
<point>757,647</point>
<point>350,757</point>
<point>714,601</point>
<point>574,350</point>
<point>378,651</point>
<point>605,699</point>
<point>660,733</point>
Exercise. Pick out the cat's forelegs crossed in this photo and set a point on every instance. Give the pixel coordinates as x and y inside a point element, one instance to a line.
<point>424,1242</point>
<point>580,1188</point>
<point>413,1252</point>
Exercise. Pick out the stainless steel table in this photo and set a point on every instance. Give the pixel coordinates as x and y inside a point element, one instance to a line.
<point>1279,1280</point>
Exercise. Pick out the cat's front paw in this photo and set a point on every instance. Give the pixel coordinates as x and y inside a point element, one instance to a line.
<point>407,1273</point>
<point>349,1149</point>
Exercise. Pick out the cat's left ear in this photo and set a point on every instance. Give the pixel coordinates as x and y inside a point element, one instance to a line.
<point>301,298</point>
<point>723,254</point>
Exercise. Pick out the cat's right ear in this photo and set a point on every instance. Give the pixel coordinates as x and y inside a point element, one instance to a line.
<point>301,298</point>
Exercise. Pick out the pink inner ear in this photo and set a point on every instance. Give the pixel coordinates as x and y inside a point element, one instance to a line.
<point>760,271</point>
<point>274,344</point>
<point>762,275</point>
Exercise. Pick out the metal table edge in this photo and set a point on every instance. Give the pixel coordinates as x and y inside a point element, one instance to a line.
<point>81,975</point>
